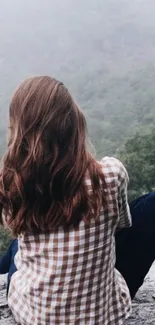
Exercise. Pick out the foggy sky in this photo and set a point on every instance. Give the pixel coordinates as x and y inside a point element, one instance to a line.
<point>76,41</point>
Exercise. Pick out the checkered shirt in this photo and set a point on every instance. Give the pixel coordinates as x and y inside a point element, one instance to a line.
<point>69,277</point>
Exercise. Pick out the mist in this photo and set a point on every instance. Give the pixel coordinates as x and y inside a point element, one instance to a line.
<point>103,50</point>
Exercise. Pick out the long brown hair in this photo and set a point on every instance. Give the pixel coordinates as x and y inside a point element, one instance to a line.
<point>43,179</point>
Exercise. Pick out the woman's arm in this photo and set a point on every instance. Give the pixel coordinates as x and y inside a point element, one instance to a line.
<point>124,211</point>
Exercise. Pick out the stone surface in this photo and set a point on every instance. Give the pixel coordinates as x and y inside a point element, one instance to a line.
<point>143,305</point>
<point>5,314</point>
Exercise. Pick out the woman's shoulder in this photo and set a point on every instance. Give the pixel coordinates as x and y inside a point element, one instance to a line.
<point>111,161</point>
<point>113,169</point>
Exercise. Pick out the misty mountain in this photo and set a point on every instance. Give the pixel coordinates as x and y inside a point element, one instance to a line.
<point>103,50</point>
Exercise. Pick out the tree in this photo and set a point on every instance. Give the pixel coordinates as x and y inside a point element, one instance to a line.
<point>138,156</point>
<point>5,239</point>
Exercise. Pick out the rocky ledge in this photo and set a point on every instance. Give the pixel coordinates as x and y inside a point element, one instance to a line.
<point>5,313</point>
<point>143,305</point>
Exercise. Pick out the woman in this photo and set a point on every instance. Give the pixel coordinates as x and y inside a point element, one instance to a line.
<point>65,208</point>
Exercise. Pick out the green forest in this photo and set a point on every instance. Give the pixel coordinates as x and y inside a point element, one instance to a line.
<point>104,51</point>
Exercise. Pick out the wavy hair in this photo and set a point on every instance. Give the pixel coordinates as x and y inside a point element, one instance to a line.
<point>43,177</point>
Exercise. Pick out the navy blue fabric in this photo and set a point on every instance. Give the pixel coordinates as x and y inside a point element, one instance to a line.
<point>135,246</point>
<point>7,264</point>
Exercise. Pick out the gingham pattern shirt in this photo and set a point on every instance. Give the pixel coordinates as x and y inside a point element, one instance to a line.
<point>69,277</point>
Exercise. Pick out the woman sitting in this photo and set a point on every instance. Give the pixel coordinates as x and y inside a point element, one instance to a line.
<point>65,208</point>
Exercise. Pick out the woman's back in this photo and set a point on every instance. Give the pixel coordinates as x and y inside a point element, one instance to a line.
<point>68,276</point>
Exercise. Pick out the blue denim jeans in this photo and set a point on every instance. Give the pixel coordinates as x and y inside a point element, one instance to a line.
<point>135,246</point>
<point>7,264</point>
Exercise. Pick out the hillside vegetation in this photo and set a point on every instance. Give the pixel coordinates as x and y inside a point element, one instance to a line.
<point>104,51</point>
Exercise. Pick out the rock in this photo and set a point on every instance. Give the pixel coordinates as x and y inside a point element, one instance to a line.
<point>6,317</point>
<point>143,305</point>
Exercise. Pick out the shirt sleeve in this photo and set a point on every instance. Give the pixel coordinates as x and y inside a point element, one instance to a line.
<point>124,211</point>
